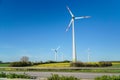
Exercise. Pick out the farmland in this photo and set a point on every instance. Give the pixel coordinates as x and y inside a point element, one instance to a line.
<point>62,64</point>
<point>62,67</point>
<point>116,65</point>
<point>53,65</point>
<point>4,65</point>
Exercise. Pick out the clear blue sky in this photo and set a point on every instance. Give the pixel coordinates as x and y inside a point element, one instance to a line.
<point>32,27</point>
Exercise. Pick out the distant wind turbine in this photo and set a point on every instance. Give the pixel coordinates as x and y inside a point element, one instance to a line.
<point>55,52</point>
<point>73,31</point>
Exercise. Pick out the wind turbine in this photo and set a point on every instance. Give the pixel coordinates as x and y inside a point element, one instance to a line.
<point>56,51</point>
<point>73,31</point>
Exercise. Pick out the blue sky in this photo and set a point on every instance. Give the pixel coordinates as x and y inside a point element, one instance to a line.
<point>33,27</point>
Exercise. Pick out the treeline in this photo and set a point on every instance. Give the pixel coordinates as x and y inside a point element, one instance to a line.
<point>20,64</point>
<point>50,61</point>
<point>28,63</point>
<point>99,64</point>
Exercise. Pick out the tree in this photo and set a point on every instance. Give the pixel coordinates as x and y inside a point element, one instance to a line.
<point>24,59</point>
<point>1,62</point>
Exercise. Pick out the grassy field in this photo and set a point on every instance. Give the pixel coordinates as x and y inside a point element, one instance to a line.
<point>4,65</point>
<point>116,65</point>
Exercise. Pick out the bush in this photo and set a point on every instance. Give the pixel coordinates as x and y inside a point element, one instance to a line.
<point>47,62</point>
<point>105,77</point>
<point>2,75</point>
<point>81,64</point>
<point>20,64</point>
<point>66,61</point>
<point>77,64</point>
<point>37,63</point>
<point>57,77</point>
<point>13,75</point>
<point>100,64</point>
<point>105,64</point>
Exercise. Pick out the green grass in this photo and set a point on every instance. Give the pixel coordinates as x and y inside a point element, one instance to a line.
<point>61,70</point>
<point>57,77</point>
<point>13,75</point>
<point>4,65</point>
<point>106,77</point>
<point>116,65</point>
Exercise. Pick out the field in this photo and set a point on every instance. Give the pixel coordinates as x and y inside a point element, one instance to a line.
<point>63,67</point>
<point>4,65</point>
<point>53,65</point>
<point>115,65</point>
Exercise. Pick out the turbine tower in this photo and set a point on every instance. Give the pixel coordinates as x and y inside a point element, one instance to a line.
<point>56,51</point>
<point>73,32</point>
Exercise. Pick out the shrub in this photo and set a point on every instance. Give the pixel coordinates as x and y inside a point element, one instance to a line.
<point>50,62</point>
<point>104,64</point>
<point>2,75</point>
<point>57,77</point>
<point>20,64</point>
<point>100,64</point>
<point>105,77</point>
<point>13,75</point>
<point>66,61</point>
<point>81,64</point>
<point>37,63</point>
<point>77,64</point>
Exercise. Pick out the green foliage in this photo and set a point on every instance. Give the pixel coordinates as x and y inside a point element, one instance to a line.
<point>65,61</point>
<point>13,75</point>
<point>77,64</point>
<point>1,62</point>
<point>57,77</point>
<point>4,64</point>
<point>81,64</point>
<point>99,64</point>
<point>105,77</point>
<point>20,64</point>
<point>2,74</point>
<point>105,64</point>
<point>47,62</point>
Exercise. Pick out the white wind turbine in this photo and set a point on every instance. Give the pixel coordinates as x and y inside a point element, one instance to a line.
<point>73,31</point>
<point>56,51</point>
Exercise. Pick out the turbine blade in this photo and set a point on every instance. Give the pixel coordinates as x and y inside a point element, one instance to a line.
<point>70,11</point>
<point>79,17</point>
<point>58,47</point>
<point>82,17</point>
<point>69,25</point>
<point>86,16</point>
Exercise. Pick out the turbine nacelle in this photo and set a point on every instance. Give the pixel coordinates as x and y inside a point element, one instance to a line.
<point>55,51</point>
